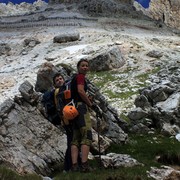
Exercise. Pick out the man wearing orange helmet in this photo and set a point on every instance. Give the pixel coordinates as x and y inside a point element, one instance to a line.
<point>82,135</point>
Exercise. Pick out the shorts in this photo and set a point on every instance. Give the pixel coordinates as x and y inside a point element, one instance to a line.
<point>82,134</point>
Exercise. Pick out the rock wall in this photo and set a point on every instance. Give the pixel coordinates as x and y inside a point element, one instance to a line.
<point>28,142</point>
<point>158,105</point>
<point>167,11</point>
<point>108,8</point>
<point>72,1</point>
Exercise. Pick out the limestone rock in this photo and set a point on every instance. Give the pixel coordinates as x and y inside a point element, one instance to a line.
<point>44,77</point>
<point>107,60</point>
<point>4,49</point>
<point>137,113</point>
<point>166,11</point>
<point>159,102</point>
<point>118,160</point>
<point>66,37</point>
<point>165,173</point>
<point>29,143</point>
<point>31,42</point>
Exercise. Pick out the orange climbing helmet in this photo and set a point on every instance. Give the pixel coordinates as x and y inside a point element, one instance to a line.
<point>70,112</point>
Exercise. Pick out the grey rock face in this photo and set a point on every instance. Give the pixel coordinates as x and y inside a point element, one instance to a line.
<point>107,60</point>
<point>160,102</point>
<point>29,143</point>
<point>106,8</point>
<point>44,77</point>
<point>6,107</point>
<point>166,11</point>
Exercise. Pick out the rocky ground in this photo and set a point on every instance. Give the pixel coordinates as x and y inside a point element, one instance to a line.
<point>135,37</point>
<point>27,41</point>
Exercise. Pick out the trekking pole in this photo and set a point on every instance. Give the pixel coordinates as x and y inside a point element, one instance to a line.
<point>98,111</point>
<point>99,144</point>
<point>99,116</point>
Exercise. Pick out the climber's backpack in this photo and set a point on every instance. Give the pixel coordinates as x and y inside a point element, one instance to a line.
<point>55,100</point>
<point>50,107</point>
<point>63,95</point>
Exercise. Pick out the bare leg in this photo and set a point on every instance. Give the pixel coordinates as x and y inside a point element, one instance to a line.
<point>74,154</point>
<point>85,151</point>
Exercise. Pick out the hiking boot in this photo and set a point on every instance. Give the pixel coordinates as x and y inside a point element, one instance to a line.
<point>75,168</point>
<point>85,167</point>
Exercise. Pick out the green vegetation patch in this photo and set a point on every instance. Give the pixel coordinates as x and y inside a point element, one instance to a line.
<point>118,84</point>
<point>121,95</point>
<point>106,174</point>
<point>144,148</point>
<point>102,77</point>
<point>8,174</point>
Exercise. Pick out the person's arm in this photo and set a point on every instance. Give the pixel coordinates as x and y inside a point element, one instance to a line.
<point>83,95</point>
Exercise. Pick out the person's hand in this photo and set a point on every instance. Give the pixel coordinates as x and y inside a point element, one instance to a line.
<point>90,98</point>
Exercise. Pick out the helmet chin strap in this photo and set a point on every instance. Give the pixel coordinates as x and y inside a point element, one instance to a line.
<point>71,102</point>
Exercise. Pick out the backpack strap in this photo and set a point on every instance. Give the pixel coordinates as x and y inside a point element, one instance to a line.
<point>55,96</point>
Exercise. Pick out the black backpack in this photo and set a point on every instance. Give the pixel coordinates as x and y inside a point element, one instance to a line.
<point>50,107</point>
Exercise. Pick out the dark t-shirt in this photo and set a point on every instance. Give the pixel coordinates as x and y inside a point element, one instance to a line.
<point>78,80</point>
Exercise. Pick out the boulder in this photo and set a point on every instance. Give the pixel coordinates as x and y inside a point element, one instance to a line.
<point>66,37</point>
<point>142,102</point>
<point>106,59</point>
<point>113,160</point>
<point>140,128</point>
<point>155,54</point>
<point>44,77</point>
<point>4,49</point>
<point>165,173</point>
<point>137,114</point>
<point>169,130</point>
<point>31,42</point>
<point>27,91</point>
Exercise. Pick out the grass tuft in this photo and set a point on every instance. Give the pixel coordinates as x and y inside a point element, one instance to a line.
<point>8,174</point>
<point>150,150</point>
<point>143,148</point>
